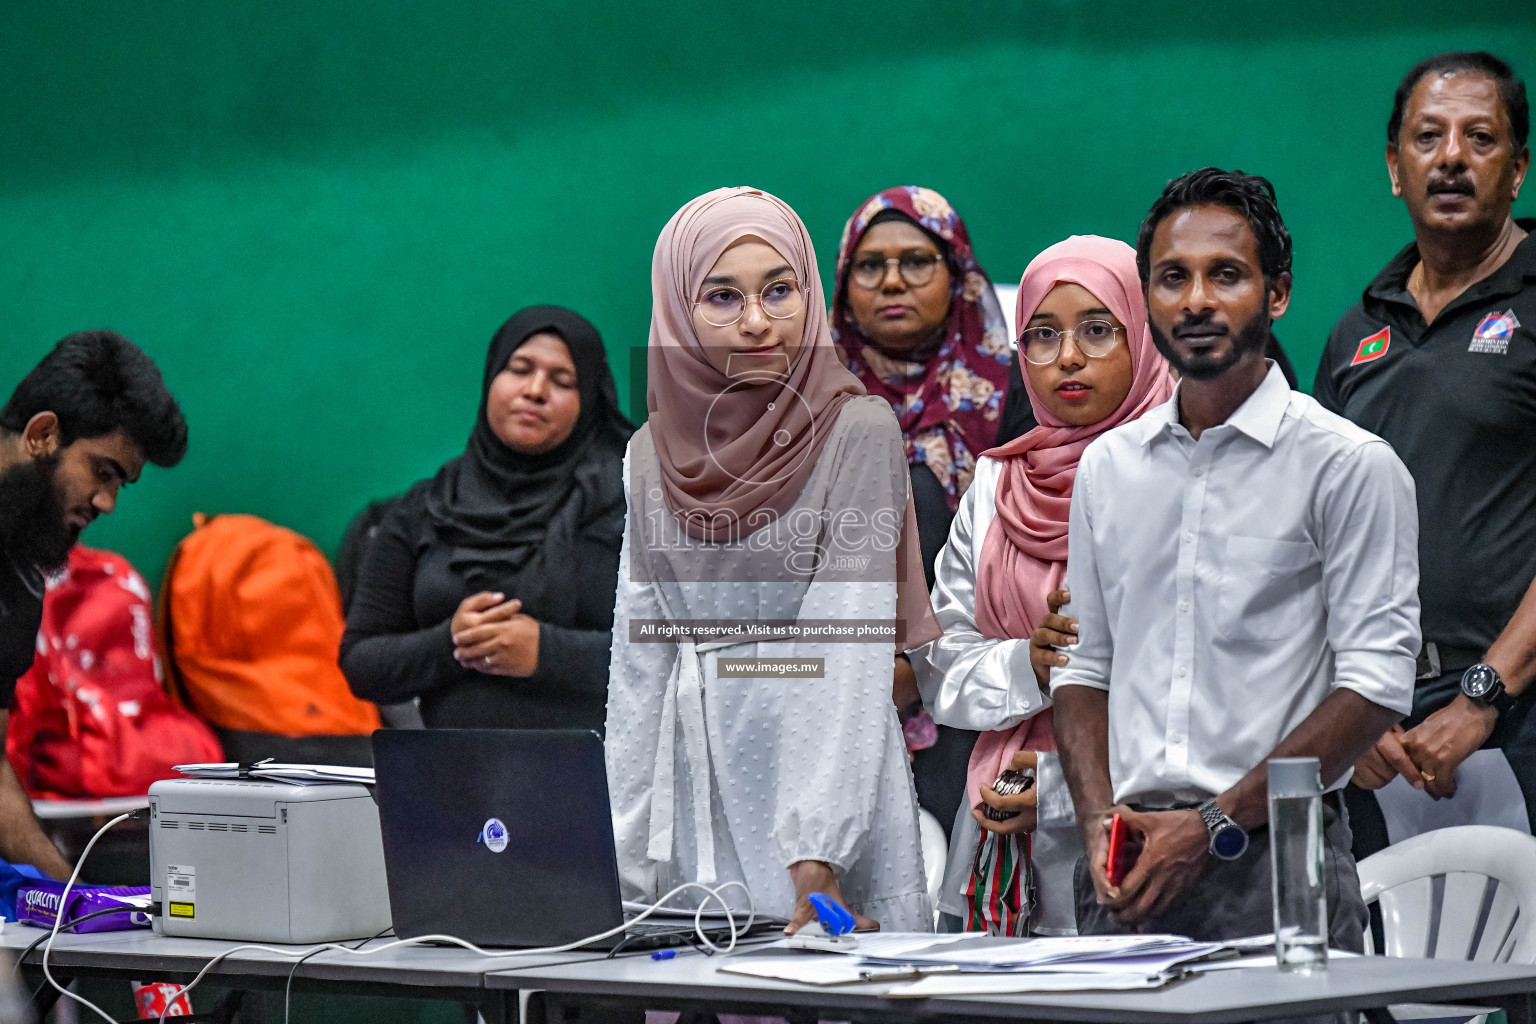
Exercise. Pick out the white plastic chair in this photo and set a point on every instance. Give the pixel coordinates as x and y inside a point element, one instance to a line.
<point>935,854</point>
<point>1007,296</point>
<point>1463,893</point>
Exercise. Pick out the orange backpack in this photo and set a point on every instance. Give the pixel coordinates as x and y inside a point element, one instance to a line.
<point>251,621</point>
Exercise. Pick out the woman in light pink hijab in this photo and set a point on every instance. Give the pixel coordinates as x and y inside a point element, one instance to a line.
<point>768,518</point>
<point>1090,366</point>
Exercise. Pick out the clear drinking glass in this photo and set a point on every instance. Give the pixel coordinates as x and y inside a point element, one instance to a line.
<point>1296,861</point>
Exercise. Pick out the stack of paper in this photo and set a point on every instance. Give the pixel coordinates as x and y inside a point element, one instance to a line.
<point>272,771</point>
<point>940,985</point>
<point>1151,954</point>
<point>932,965</point>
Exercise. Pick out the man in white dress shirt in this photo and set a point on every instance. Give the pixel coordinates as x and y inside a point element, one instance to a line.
<point>1243,566</point>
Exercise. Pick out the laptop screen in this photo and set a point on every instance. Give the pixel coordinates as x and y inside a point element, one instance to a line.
<point>501,837</point>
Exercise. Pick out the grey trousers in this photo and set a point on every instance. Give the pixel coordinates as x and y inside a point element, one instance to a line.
<point>1233,898</point>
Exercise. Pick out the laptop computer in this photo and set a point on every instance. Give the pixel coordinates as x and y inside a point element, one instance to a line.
<point>504,837</point>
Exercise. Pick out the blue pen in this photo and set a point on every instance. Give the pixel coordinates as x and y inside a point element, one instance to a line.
<point>664,954</point>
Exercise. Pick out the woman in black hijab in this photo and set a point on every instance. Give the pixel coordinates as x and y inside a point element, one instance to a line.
<point>488,592</point>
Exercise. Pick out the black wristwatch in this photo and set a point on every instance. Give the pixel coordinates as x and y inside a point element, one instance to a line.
<point>1482,686</point>
<point>1228,840</point>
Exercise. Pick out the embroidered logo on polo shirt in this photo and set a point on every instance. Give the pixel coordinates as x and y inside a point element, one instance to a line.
<point>1493,333</point>
<point>1373,347</point>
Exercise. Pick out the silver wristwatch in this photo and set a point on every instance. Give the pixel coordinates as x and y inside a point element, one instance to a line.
<point>1228,839</point>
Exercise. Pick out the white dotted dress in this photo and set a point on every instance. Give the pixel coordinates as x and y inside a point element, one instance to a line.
<point>716,779</point>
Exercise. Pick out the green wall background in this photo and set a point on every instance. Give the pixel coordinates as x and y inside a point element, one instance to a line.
<point>314,216</point>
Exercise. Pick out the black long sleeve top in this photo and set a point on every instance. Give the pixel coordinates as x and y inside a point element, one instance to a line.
<point>398,643</point>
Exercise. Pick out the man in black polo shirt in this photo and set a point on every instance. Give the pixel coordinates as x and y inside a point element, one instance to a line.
<point>77,428</point>
<point>1439,358</point>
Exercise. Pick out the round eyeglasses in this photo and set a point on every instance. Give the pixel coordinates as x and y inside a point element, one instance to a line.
<point>1095,338</point>
<point>915,268</point>
<point>722,305</point>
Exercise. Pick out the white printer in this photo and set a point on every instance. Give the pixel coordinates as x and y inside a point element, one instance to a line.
<point>260,861</point>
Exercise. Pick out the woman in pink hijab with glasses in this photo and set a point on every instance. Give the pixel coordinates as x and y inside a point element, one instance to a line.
<point>1089,366</point>
<point>770,563</point>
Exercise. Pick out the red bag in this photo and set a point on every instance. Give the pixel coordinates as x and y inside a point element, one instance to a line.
<point>91,718</point>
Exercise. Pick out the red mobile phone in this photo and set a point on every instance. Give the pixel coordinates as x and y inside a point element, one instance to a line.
<point>1123,851</point>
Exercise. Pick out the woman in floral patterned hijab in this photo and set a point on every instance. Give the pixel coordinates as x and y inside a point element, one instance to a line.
<point>918,323</point>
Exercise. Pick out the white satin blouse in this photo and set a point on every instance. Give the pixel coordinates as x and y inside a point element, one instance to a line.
<point>971,682</point>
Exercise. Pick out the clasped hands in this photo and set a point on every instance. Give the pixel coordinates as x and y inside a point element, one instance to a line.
<point>491,635</point>
<point>1428,754</point>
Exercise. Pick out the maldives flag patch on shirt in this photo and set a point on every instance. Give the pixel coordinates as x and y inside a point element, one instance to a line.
<point>1373,347</point>
<point>1493,333</point>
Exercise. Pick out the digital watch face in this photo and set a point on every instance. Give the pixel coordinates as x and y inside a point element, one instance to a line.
<point>1229,843</point>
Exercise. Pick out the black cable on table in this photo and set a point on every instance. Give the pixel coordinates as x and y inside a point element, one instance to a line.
<point>288,988</point>
<point>67,926</point>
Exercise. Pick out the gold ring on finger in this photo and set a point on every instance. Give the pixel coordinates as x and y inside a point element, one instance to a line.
<point>1427,776</point>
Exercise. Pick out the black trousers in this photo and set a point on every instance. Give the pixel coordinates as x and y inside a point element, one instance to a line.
<point>1233,899</point>
<point>939,771</point>
<point>1515,734</point>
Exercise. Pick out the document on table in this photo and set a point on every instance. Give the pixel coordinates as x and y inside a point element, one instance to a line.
<point>780,962</point>
<point>1019,984</point>
<point>902,945</point>
<point>1028,965</point>
<point>805,968</point>
<point>272,771</point>
<point>1261,960</point>
<point>824,969</point>
<point>1151,953</point>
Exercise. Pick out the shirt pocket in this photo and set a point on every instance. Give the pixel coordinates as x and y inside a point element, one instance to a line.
<point>1263,584</point>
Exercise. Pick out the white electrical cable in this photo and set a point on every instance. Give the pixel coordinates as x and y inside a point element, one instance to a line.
<point>712,894</point>
<point>58,919</point>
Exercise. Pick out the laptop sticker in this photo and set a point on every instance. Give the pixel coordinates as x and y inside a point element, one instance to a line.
<point>493,835</point>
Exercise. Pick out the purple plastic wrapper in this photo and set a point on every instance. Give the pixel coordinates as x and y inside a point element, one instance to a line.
<point>38,902</point>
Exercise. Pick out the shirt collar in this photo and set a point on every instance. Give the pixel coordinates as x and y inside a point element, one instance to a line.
<point>1161,420</point>
<point>1391,285</point>
<point>1259,416</point>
